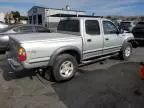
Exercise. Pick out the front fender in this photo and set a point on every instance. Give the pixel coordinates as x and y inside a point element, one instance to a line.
<point>132,41</point>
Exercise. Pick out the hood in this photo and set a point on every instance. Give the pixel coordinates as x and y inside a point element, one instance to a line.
<point>128,35</point>
<point>40,36</point>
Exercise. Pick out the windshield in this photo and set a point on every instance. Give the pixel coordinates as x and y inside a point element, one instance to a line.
<point>69,26</point>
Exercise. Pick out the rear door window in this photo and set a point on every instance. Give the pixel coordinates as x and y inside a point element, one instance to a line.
<point>92,27</point>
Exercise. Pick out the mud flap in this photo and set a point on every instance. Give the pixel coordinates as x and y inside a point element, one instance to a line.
<point>135,44</point>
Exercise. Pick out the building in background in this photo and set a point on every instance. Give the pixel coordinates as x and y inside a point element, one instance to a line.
<point>2,17</point>
<point>23,21</point>
<point>50,17</point>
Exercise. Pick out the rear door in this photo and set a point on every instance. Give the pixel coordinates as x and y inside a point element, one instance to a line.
<point>93,38</point>
<point>112,40</point>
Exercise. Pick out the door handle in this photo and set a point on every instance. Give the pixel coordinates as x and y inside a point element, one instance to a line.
<point>89,40</point>
<point>106,38</point>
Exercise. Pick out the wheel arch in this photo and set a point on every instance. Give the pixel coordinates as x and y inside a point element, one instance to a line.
<point>132,41</point>
<point>74,51</point>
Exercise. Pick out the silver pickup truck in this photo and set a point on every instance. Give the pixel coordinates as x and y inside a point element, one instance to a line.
<point>78,40</point>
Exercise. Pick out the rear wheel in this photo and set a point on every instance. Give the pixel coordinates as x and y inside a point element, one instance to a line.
<point>126,51</point>
<point>64,68</point>
<point>8,76</point>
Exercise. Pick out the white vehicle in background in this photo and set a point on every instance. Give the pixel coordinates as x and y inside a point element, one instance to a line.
<point>3,25</point>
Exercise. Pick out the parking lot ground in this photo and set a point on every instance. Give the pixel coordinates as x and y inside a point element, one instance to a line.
<point>114,84</point>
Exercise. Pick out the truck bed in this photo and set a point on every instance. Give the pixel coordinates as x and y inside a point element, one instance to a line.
<point>40,37</point>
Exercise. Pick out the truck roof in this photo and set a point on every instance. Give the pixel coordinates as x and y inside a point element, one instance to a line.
<point>79,18</point>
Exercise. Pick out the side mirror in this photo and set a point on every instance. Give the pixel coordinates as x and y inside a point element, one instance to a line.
<point>121,31</point>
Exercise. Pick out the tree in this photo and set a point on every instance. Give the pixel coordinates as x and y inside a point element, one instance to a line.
<point>24,18</point>
<point>16,16</point>
<point>8,18</point>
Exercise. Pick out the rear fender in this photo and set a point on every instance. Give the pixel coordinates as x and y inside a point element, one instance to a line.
<point>63,50</point>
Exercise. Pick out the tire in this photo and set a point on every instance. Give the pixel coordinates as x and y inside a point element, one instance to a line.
<point>64,67</point>
<point>7,76</point>
<point>126,51</point>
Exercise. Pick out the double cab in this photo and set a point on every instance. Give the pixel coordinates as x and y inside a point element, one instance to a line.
<point>78,40</point>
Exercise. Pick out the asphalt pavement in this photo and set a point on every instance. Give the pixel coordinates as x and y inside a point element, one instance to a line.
<point>112,84</point>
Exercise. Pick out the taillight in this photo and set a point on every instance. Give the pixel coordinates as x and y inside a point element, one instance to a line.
<point>22,54</point>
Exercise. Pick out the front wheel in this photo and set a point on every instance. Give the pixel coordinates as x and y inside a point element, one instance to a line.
<point>126,51</point>
<point>64,68</point>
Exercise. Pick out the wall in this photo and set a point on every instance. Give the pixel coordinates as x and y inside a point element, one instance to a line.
<point>23,21</point>
<point>52,22</point>
<point>36,11</point>
<point>47,20</point>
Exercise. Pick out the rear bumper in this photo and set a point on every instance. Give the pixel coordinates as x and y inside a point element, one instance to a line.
<point>18,66</point>
<point>14,65</point>
<point>3,48</point>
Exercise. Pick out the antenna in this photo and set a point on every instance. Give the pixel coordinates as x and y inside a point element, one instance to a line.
<point>77,14</point>
<point>67,7</point>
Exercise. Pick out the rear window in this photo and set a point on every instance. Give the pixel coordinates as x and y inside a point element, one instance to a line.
<point>69,25</point>
<point>41,29</point>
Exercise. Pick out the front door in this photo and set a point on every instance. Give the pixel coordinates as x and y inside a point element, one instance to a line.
<point>112,40</point>
<point>93,39</point>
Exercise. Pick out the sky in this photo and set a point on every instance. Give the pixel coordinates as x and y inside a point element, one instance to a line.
<point>99,7</point>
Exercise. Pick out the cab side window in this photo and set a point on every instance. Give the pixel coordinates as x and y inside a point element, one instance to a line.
<point>109,28</point>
